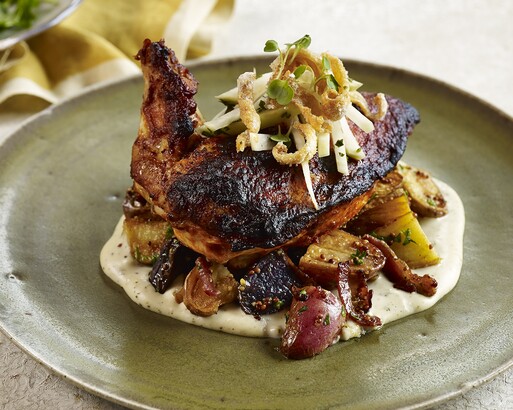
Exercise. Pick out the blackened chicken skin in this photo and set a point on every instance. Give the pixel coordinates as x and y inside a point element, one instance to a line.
<point>226,204</point>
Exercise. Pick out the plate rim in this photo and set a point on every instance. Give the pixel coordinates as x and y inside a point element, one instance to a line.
<point>191,64</point>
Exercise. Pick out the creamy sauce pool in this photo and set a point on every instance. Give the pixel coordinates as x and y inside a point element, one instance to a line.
<point>388,303</point>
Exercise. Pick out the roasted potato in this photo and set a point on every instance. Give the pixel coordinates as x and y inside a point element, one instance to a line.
<point>314,321</point>
<point>207,287</point>
<point>425,196</point>
<point>146,232</point>
<point>321,259</point>
<point>396,223</point>
<point>409,242</point>
<point>380,215</point>
<point>146,237</point>
<point>385,190</point>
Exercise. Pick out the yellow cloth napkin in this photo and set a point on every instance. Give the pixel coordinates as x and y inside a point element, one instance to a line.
<point>97,43</point>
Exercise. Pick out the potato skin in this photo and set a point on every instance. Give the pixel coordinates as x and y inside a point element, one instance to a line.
<point>146,232</point>
<point>314,322</point>
<point>145,238</point>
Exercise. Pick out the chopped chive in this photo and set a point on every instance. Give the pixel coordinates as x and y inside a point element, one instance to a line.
<point>303,308</point>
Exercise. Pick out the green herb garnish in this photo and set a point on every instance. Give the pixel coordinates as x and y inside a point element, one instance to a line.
<point>303,309</point>
<point>271,46</point>
<point>278,89</point>
<point>327,75</point>
<point>407,237</point>
<point>279,304</point>
<point>19,13</point>
<point>298,72</point>
<point>326,65</point>
<point>331,82</point>
<point>170,233</point>
<point>281,91</point>
<point>358,256</point>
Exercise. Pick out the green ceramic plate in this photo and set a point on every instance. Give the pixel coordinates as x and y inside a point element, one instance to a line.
<point>62,179</point>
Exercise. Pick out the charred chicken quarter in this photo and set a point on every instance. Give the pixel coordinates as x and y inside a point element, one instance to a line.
<point>264,188</point>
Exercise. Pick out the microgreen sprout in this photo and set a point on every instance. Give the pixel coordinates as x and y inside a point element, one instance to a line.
<point>326,65</point>
<point>271,46</point>
<point>299,71</point>
<point>327,75</point>
<point>281,91</point>
<point>278,89</point>
<point>303,42</point>
<point>285,138</point>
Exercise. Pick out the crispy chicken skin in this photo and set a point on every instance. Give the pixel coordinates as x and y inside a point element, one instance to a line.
<point>226,204</point>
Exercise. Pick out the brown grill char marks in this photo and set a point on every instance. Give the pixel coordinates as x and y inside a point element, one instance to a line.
<point>168,118</point>
<point>226,204</point>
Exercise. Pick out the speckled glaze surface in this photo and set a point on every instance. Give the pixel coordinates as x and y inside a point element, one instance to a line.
<point>62,179</point>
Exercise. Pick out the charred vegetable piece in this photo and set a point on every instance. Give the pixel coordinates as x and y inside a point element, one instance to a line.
<point>381,214</point>
<point>425,196</point>
<point>266,287</point>
<point>352,309</point>
<point>208,287</point>
<point>145,231</point>
<point>174,259</point>
<point>314,321</point>
<point>320,262</point>
<point>295,254</point>
<point>398,272</point>
<point>134,205</point>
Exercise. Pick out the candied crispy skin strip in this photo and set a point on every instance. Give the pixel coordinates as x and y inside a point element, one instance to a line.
<point>226,204</point>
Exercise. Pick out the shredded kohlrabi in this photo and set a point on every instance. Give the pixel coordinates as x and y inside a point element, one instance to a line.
<point>309,95</point>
